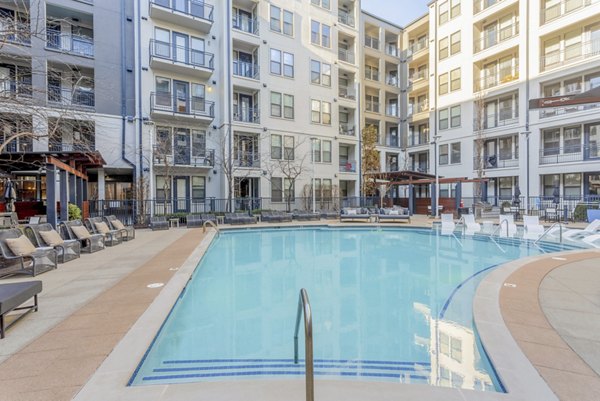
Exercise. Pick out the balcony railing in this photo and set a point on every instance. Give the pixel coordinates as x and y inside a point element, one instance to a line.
<point>569,154</point>
<point>417,47</point>
<point>391,140</point>
<point>56,145</point>
<point>373,75</point>
<point>391,167</point>
<point>78,97</point>
<point>571,54</point>
<point>346,55</point>
<point>16,32</point>
<point>416,108</point>
<point>348,167</point>
<point>184,156</point>
<point>247,159</point>
<point>193,8</point>
<point>372,106</point>
<point>245,24</point>
<point>504,76</point>
<point>420,167</point>
<point>480,5</point>
<point>391,80</point>
<point>69,43</point>
<point>495,122</point>
<point>346,129</point>
<point>372,42</point>
<point>417,77</point>
<point>503,160</point>
<point>246,114</point>
<point>245,69</point>
<point>418,140</point>
<point>10,88</point>
<point>344,17</point>
<point>562,8</point>
<point>391,110</point>
<point>559,111</point>
<point>181,54</point>
<point>391,50</point>
<point>182,105</point>
<point>347,92</point>
<point>492,38</point>
<point>19,145</point>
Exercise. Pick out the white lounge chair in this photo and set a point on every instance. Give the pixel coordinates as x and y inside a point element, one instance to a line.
<point>533,228</point>
<point>510,221</point>
<point>448,224</point>
<point>589,230</point>
<point>471,226</point>
<point>593,240</point>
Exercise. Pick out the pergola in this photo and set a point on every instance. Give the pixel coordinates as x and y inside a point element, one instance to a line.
<point>68,168</point>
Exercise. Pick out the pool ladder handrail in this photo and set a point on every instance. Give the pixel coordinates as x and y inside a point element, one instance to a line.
<point>497,230</point>
<point>213,225</point>
<point>304,306</point>
<point>560,225</point>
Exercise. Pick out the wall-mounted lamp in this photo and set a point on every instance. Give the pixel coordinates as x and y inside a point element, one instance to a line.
<point>146,170</point>
<point>264,172</point>
<point>264,42</point>
<point>214,82</point>
<point>264,129</point>
<point>215,172</point>
<point>264,85</point>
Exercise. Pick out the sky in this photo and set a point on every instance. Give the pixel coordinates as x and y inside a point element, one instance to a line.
<point>400,12</point>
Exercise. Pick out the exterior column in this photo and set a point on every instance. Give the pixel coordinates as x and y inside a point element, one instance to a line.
<point>433,200</point>
<point>411,199</point>
<point>458,194</point>
<point>64,195</point>
<point>51,195</point>
<point>79,190</point>
<point>101,185</point>
<point>73,190</point>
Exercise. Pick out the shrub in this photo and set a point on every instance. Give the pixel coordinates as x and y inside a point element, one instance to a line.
<point>74,212</point>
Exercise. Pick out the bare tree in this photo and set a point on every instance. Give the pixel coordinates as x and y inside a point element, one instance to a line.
<point>370,160</point>
<point>478,130</point>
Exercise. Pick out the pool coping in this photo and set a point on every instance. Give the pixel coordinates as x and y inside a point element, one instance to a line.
<point>110,380</point>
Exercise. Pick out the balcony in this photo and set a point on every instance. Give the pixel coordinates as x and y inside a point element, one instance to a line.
<point>391,110</point>
<point>347,167</point>
<point>391,50</point>
<point>504,76</point>
<point>372,42</point>
<point>245,69</point>
<point>246,114</point>
<point>562,8</point>
<point>490,162</point>
<point>191,14</point>
<point>372,106</point>
<point>570,154</point>
<point>391,80</point>
<point>417,47</point>
<point>498,121</point>
<point>15,32</point>
<point>245,24</point>
<point>70,43</point>
<point>346,55</point>
<point>492,38</point>
<point>391,140</point>
<point>418,111</point>
<point>167,104</point>
<point>344,17</point>
<point>184,156</point>
<point>481,5</point>
<point>422,167</point>
<point>372,74</point>
<point>57,145</point>
<point>418,140</point>
<point>71,98</point>
<point>347,129</point>
<point>14,89</point>
<point>19,145</point>
<point>181,59</point>
<point>559,111</point>
<point>346,92</point>
<point>571,54</point>
<point>247,159</point>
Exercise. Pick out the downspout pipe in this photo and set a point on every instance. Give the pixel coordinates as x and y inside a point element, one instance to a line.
<point>229,130</point>
<point>124,92</point>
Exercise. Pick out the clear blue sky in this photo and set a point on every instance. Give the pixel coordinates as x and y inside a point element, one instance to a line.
<point>400,12</point>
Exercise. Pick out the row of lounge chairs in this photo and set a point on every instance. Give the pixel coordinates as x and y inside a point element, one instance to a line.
<point>39,248</point>
<point>379,215</point>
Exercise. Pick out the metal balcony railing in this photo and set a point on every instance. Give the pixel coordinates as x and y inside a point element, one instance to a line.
<point>182,105</point>
<point>495,121</point>
<point>391,140</point>
<point>346,129</point>
<point>480,5</point>
<point>504,76</point>
<point>16,32</point>
<point>181,54</point>
<point>347,92</point>
<point>372,106</point>
<point>245,69</point>
<point>421,167</point>
<point>570,54</point>
<point>56,145</point>
<point>69,43</point>
<point>78,97</point>
<point>373,75</point>
<point>562,8</point>
<point>569,154</point>
<point>10,88</point>
<point>193,8</point>
<point>346,55</point>
<point>492,38</point>
<point>391,110</point>
<point>417,47</point>
<point>391,80</point>
<point>418,140</point>
<point>418,77</point>
<point>247,159</point>
<point>246,114</point>
<point>559,111</point>
<point>372,42</point>
<point>502,160</point>
<point>391,50</point>
<point>347,167</point>
<point>344,17</point>
<point>184,156</point>
<point>245,24</point>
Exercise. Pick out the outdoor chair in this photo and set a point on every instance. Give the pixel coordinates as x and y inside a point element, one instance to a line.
<point>574,234</point>
<point>159,223</point>
<point>393,214</point>
<point>193,220</point>
<point>19,256</point>
<point>127,232</point>
<point>471,226</point>
<point>551,214</point>
<point>44,235</point>
<point>301,215</point>
<point>283,217</point>
<point>533,228</point>
<point>231,218</point>
<point>329,214</point>
<point>352,214</point>
<point>208,217</point>
<point>96,225</point>
<point>448,224</point>
<point>74,229</point>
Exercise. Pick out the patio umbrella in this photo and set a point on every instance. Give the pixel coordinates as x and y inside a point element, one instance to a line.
<point>556,194</point>
<point>517,196</point>
<point>10,195</point>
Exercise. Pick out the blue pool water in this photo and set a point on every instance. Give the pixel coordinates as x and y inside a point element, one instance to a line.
<point>388,305</point>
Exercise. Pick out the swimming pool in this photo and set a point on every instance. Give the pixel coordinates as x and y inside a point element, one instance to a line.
<point>388,305</point>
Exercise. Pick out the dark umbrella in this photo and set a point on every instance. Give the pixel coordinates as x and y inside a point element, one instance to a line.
<point>556,194</point>
<point>517,196</point>
<point>10,195</point>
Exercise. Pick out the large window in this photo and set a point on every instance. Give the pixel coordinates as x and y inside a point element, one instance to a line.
<point>443,10</point>
<point>320,73</point>
<point>198,187</point>
<point>551,141</point>
<point>455,153</point>
<point>282,21</point>
<point>455,80</point>
<point>282,147</point>
<point>572,139</point>
<point>320,112</point>
<point>572,185</point>
<point>443,154</point>
<point>320,34</point>
<point>450,117</point>
<point>321,151</point>
<point>454,8</point>
<point>282,63</point>
<point>277,107</point>
<point>443,82</point>
<point>322,3</point>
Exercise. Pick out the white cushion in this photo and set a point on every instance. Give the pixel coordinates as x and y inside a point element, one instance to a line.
<point>118,225</point>
<point>102,228</point>
<point>81,232</point>
<point>51,238</point>
<point>394,213</point>
<point>351,212</point>
<point>20,246</point>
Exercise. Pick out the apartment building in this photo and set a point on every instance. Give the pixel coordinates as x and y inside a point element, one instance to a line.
<point>51,57</point>
<point>381,105</point>
<point>490,58</point>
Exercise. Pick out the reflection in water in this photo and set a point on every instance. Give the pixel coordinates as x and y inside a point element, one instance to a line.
<point>387,306</point>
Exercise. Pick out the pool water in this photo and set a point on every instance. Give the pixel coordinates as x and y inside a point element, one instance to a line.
<point>388,305</point>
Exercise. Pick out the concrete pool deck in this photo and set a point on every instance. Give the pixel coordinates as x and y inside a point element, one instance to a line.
<point>88,306</point>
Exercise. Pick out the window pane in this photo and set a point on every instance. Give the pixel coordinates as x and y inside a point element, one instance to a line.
<point>276,104</point>
<point>288,65</point>
<point>288,23</point>
<point>288,106</point>
<point>315,107</point>
<point>276,190</point>
<point>315,72</point>
<point>275,62</point>
<point>326,74</point>
<point>444,119</point>
<point>275,19</point>
<point>325,41</point>
<point>455,116</point>
<point>326,151</point>
<point>455,156</point>
<point>276,147</point>
<point>315,29</point>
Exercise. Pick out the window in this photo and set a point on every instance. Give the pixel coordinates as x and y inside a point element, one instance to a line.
<point>288,107</point>
<point>315,29</point>
<point>455,153</point>
<point>288,148</point>
<point>315,111</point>
<point>320,112</point>
<point>443,82</point>
<point>443,154</point>
<point>276,63</point>
<point>371,72</point>
<point>198,143</point>
<point>443,48</point>
<point>198,187</point>
<point>455,43</point>
<point>572,139</point>
<point>443,120</point>
<point>443,13</point>
<point>276,189</point>
<point>455,116</point>
<point>326,151</point>
<point>275,104</point>
<point>320,73</point>
<point>326,79</point>
<point>321,151</point>
<point>572,185</point>
<point>322,3</point>
<point>316,150</point>
<point>326,112</point>
<point>320,34</point>
<point>455,80</point>
<point>454,8</point>
<point>162,46</point>
<point>288,65</point>
<point>550,182</point>
<point>325,35</point>
<point>276,147</point>
<point>164,142</point>
<point>163,188</point>
<point>277,107</point>
<point>276,22</point>
<point>326,189</point>
<point>551,141</point>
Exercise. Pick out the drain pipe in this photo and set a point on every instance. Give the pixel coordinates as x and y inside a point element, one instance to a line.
<point>230,193</point>
<point>124,93</point>
<point>139,84</point>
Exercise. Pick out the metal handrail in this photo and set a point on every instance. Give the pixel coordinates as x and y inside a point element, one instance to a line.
<point>464,226</point>
<point>558,223</point>
<point>213,225</point>
<point>497,230</point>
<point>304,305</point>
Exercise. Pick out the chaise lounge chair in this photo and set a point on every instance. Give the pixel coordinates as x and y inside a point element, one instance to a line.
<point>305,215</point>
<point>74,229</point>
<point>159,223</point>
<point>19,256</point>
<point>96,225</point>
<point>44,235</point>
<point>575,234</point>
<point>448,224</point>
<point>12,296</point>
<point>353,214</point>
<point>127,232</point>
<point>471,226</point>
<point>193,220</point>
<point>509,228</point>
<point>533,228</point>
<point>393,215</point>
